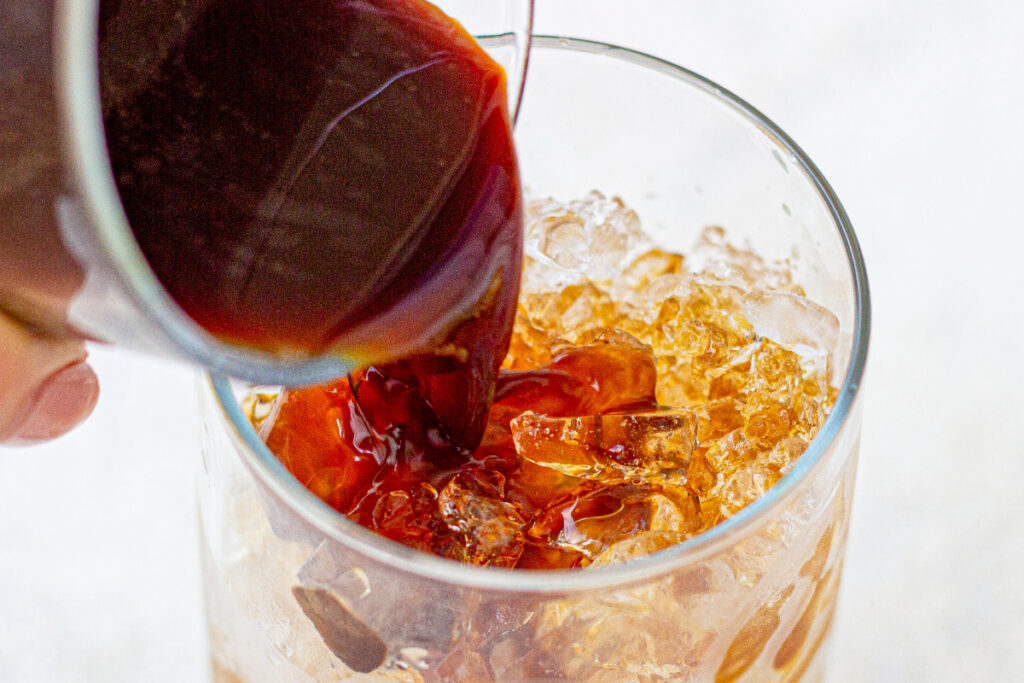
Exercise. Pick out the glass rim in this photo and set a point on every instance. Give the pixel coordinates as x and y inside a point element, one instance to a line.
<point>280,481</point>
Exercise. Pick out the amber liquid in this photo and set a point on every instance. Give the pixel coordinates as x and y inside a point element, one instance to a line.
<point>309,176</point>
<point>370,446</point>
<point>624,421</point>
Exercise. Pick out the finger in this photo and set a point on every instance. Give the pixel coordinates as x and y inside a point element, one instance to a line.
<point>46,388</point>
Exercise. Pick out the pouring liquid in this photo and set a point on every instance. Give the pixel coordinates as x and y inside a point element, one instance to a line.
<point>316,176</point>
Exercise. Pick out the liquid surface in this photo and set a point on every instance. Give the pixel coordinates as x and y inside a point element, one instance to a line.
<point>632,412</point>
<point>323,174</point>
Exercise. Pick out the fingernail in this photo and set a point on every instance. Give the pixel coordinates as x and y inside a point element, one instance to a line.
<point>65,399</point>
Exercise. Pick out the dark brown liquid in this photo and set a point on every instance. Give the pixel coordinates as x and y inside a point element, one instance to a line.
<point>371,447</point>
<point>323,175</point>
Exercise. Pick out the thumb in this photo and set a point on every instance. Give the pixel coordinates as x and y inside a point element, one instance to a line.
<point>46,388</point>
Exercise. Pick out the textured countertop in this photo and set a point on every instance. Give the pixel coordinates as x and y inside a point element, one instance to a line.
<point>913,112</point>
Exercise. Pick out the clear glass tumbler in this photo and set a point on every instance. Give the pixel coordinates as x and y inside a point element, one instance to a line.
<point>295,592</point>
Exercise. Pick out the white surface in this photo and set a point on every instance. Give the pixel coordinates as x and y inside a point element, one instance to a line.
<point>913,111</point>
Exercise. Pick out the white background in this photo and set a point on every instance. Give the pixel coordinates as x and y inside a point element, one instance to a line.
<point>913,111</point>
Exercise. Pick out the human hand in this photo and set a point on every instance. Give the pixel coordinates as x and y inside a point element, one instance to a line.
<point>46,387</point>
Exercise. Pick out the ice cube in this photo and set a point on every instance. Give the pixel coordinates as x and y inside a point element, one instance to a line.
<point>344,634</point>
<point>715,258</point>
<point>613,371</point>
<point>638,633</point>
<point>742,486</point>
<point>751,640</point>
<point>461,664</point>
<point>654,446</point>
<point>259,404</point>
<point>649,267</point>
<point>491,528</point>
<point>669,522</point>
<point>365,615</point>
<point>592,238</point>
<point>795,323</point>
<point>608,519</point>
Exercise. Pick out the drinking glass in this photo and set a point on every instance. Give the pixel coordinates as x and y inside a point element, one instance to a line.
<point>296,592</point>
